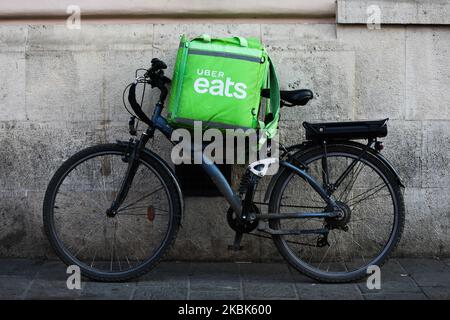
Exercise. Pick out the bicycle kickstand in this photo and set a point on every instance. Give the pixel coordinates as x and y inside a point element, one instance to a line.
<point>236,246</point>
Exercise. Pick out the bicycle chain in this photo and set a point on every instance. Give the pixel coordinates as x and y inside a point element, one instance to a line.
<point>288,241</point>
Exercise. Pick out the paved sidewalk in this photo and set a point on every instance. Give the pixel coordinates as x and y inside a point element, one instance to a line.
<point>401,279</point>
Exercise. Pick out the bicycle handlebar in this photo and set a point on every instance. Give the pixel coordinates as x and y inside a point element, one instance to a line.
<point>156,78</point>
<point>158,64</point>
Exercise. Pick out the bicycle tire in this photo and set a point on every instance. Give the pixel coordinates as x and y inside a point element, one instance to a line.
<point>51,233</point>
<point>398,227</point>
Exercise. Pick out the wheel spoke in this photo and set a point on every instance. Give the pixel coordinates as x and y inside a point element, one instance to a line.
<point>142,207</point>
<point>84,245</point>
<point>142,198</point>
<point>358,168</point>
<point>109,245</point>
<point>353,243</point>
<point>376,190</point>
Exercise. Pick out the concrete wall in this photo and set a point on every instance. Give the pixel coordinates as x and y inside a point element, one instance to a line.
<point>61,90</point>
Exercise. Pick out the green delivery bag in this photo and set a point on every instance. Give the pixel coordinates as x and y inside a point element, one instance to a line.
<point>219,82</point>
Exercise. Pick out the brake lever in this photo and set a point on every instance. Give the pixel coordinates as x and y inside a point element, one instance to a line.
<point>141,79</point>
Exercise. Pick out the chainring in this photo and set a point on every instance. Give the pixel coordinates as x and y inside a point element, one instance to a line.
<point>242,226</point>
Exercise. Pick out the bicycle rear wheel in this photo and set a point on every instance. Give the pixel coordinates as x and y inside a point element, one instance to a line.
<point>116,248</point>
<point>372,202</point>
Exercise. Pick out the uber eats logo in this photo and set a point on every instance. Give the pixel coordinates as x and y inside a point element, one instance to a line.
<point>219,85</point>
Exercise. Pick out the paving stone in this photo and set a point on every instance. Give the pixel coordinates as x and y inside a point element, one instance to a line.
<point>261,290</point>
<point>208,281</point>
<point>299,277</point>
<point>328,291</point>
<point>428,272</point>
<point>51,289</point>
<point>19,267</point>
<point>220,277</point>
<point>163,282</point>
<point>53,270</point>
<point>163,292</point>
<point>13,287</point>
<point>404,285</point>
<point>214,284</point>
<point>222,270</point>
<point>416,265</point>
<point>267,272</point>
<point>166,272</point>
<point>215,295</point>
<point>437,293</point>
<point>401,279</point>
<point>107,291</point>
<point>432,279</point>
<point>394,279</point>
<point>395,296</point>
<point>392,268</point>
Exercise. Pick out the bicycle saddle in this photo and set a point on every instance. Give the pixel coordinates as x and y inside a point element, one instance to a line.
<point>295,97</point>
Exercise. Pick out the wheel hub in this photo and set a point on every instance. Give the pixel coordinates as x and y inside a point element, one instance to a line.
<point>111,213</point>
<point>340,221</point>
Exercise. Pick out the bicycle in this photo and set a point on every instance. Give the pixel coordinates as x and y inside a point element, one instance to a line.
<point>335,206</point>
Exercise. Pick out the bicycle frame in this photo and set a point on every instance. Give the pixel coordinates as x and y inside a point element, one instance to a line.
<point>158,122</point>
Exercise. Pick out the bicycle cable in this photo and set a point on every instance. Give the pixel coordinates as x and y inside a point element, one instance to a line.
<point>123,100</point>
<point>125,90</point>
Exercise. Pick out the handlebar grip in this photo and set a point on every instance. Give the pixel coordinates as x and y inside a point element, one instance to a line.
<point>158,64</point>
<point>135,105</point>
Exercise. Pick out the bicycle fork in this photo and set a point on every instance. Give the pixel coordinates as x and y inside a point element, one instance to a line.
<point>132,157</point>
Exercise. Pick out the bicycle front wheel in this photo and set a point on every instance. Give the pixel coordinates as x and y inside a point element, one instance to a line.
<point>115,248</point>
<point>370,199</point>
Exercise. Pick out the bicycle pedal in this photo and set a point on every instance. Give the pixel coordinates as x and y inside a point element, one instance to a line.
<point>232,247</point>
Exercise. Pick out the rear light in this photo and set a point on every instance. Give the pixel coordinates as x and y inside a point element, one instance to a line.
<point>379,145</point>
